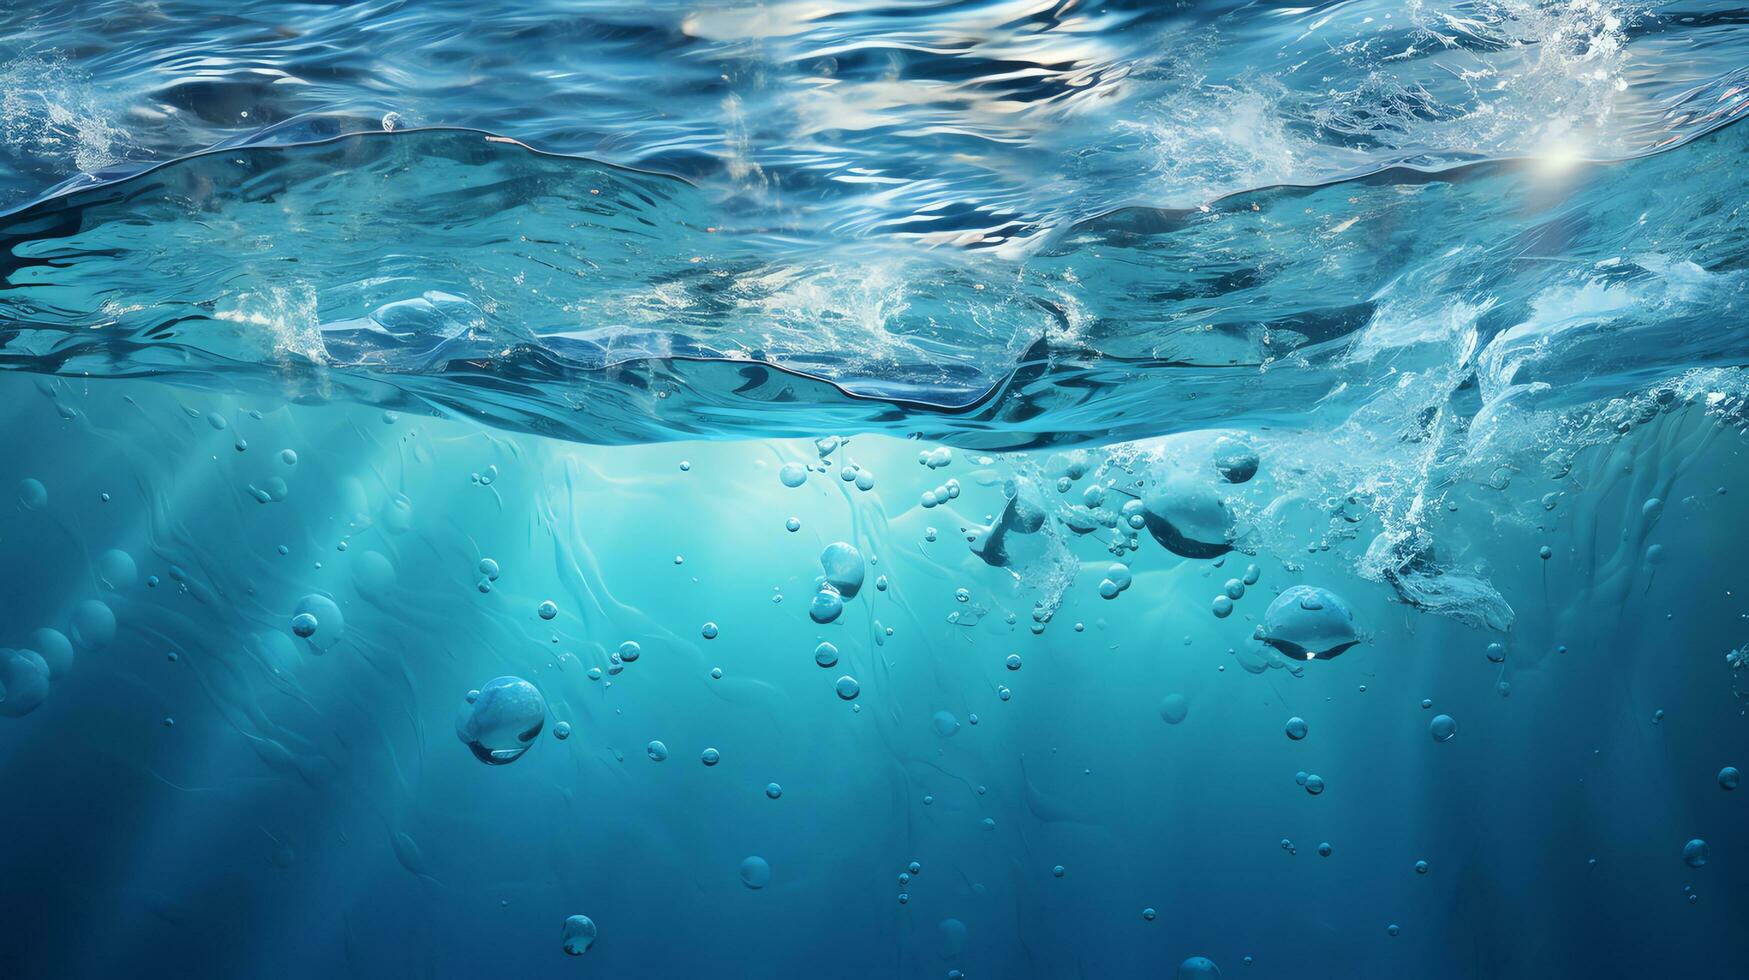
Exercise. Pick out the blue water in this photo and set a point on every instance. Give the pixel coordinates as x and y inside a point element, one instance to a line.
<point>966,489</point>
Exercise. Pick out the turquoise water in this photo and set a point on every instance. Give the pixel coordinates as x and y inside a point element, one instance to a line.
<point>936,490</point>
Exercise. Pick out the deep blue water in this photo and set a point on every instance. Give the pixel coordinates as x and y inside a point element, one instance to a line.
<point>985,489</point>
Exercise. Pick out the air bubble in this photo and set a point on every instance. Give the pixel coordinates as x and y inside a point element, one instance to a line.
<point>1188,517</point>
<point>116,569</point>
<point>502,721</point>
<point>329,625</point>
<point>1198,968</point>
<point>826,606</point>
<point>32,494</point>
<point>843,568</point>
<point>57,652</point>
<point>1309,623</point>
<point>93,625</point>
<point>24,682</point>
<point>755,873</point>
<point>1174,708</point>
<point>579,931</point>
<point>1235,460</point>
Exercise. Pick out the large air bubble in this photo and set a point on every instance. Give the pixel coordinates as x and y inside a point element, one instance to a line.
<point>116,569</point>
<point>1235,459</point>
<point>55,649</point>
<point>755,872</point>
<point>1189,517</point>
<point>24,682</point>
<point>501,723</point>
<point>827,605</point>
<point>842,564</point>
<point>1198,968</point>
<point>92,625</point>
<point>32,494</point>
<point>324,625</point>
<point>1308,623</point>
<point>373,575</point>
<point>1174,708</point>
<point>578,935</point>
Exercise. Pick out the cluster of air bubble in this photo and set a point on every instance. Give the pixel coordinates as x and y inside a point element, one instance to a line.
<point>1024,540</point>
<point>1737,661</point>
<point>1195,499</point>
<point>841,578</point>
<point>947,490</point>
<point>794,474</point>
<point>1395,496</point>
<point>49,651</point>
<point>1181,495</point>
<point>1178,494</point>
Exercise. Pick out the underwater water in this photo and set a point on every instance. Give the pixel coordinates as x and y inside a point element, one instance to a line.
<point>1008,489</point>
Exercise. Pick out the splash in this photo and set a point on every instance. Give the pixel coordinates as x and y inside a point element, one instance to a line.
<point>51,112</point>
